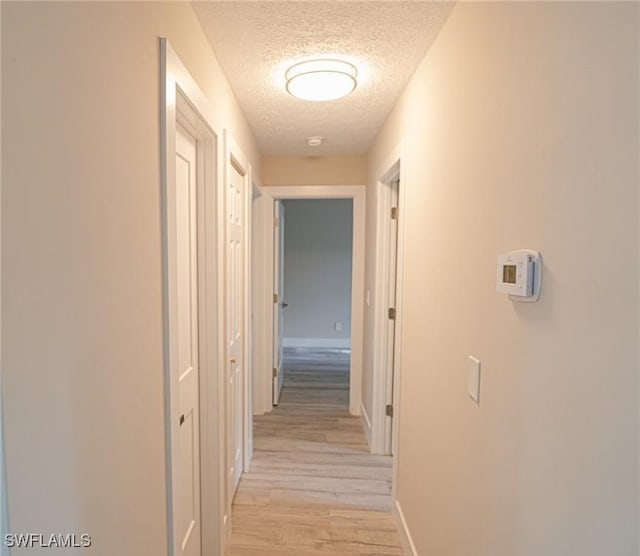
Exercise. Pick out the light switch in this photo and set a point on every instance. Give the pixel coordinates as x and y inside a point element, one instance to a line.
<point>338,327</point>
<point>473,379</point>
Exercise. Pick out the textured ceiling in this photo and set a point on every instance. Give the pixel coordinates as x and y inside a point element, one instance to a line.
<point>255,42</point>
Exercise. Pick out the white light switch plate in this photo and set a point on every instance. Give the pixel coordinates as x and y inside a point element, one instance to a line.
<point>473,379</point>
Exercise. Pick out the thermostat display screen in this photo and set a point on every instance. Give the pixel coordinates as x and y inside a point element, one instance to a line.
<point>509,274</point>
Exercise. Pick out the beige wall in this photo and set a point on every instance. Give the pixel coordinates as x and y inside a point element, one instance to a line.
<point>522,132</point>
<point>82,356</point>
<point>314,170</point>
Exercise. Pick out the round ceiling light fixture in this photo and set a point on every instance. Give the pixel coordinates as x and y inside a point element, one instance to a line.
<point>321,79</point>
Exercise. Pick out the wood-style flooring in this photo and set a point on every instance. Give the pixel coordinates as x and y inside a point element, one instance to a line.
<point>313,488</point>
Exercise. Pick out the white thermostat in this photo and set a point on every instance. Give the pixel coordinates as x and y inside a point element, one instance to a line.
<point>519,275</point>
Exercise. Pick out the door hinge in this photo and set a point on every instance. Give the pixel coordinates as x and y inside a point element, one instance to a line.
<point>275,221</point>
<point>392,313</point>
<point>388,410</point>
<point>275,298</point>
<point>275,372</point>
<point>394,213</point>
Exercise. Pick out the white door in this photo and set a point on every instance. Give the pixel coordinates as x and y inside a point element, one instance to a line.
<point>278,299</point>
<point>187,503</point>
<point>235,321</point>
<point>391,296</point>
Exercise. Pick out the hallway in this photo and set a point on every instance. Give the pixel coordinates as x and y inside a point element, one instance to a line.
<point>145,149</point>
<point>313,487</point>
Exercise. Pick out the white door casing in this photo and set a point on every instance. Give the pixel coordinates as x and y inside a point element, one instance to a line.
<point>265,313</point>
<point>387,339</point>
<point>261,338</point>
<point>391,302</point>
<point>192,315</point>
<point>278,309</point>
<point>384,329</point>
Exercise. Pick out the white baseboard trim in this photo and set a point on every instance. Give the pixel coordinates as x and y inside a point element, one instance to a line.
<point>366,423</point>
<point>339,343</point>
<point>403,529</point>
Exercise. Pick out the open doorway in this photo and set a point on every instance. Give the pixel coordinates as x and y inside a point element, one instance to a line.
<point>313,262</point>
<point>265,288</point>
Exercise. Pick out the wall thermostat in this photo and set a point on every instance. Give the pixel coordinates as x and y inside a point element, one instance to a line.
<point>519,275</point>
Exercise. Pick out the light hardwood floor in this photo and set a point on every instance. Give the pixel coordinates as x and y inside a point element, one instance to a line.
<point>313,488</point>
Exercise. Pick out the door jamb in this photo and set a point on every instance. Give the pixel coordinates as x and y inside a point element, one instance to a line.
<point>358,194</point>
<point>393,167</point>
<point>258,335</point>
<point>261,297</point>
<point>183,101</point>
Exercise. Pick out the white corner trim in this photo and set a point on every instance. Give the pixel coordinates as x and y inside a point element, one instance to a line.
<point>366,423</point>
<point>403,530</point>
<point>338,343</point>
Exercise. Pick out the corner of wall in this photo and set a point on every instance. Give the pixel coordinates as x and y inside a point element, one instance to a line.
<point>403,530</point>
<point>366,422</point>
<point>4,517</point>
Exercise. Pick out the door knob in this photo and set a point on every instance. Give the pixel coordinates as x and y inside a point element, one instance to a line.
<point>233,360</point>
<point>284,305</point>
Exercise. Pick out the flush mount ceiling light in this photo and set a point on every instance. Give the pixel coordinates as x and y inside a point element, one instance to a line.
<point>321,79</point>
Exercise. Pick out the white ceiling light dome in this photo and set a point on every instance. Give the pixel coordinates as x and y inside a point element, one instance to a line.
<point>320,79</point>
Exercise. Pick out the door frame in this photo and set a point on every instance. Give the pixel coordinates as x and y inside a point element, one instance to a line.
<point>181,100</point>
<point>277,270</point>
<point>358,195</point>
<point>233,155</point>
<point>384,439</point>
<point>260,267</point>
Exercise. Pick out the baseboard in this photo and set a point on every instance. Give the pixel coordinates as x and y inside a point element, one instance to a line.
<point>338,343</point>
<point>403,530</point>
<point>366,423</point>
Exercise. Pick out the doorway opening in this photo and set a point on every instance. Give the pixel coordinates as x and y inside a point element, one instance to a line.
<point>268,308</point>
<point>313,265</point>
